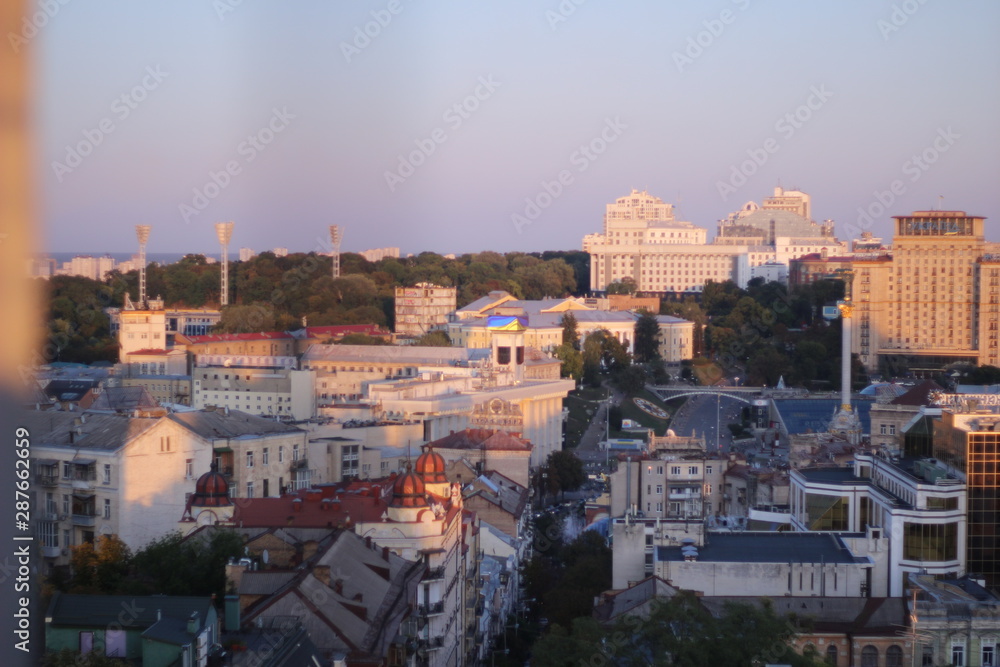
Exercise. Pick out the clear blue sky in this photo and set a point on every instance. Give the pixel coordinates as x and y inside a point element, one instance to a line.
<point>681,120</point>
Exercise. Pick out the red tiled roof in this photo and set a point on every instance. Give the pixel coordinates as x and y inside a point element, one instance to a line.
<point>327,505</point>
<point>343,330</point>
<point>147,351</point>
<point>221,338</point>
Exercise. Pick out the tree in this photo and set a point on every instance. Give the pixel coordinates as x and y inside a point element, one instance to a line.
<point>565,467</point>
<point>572,361</point>
<point>361,339</point>
<point>559,648</point>
<point>433,339</point>
<point>626,285</point>
<point>570,331</point>
<point>631,379</point>
<point>647,339</point>
<point>254,318</point>
<point>681,632</point>
<point>100,566</point>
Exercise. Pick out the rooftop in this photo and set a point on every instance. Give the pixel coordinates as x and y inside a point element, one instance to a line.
<point>766,547</point>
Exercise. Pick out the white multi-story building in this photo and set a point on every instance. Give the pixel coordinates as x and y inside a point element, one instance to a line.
<point>131,476</point>
<point>270,392</point>
<point>643,242</point>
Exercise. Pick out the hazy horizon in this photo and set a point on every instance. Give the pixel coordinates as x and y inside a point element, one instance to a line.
<point>439,127</point>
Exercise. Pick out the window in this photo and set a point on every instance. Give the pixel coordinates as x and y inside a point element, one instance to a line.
<point>675,470</point>
<point>189,468</point>
<point>67,470</point>
<point>164,443</point>
<point>869,656</point>
<point>882,429</point>
<point>708,489</point>
<point>659,488</point>
<point>958,655</point>
<point>107,473</point>
<point>892,429</point>
<point>249,461</point>
<point>264,457</point>
<point>250,489</point>
<point>708,470</point>
<point>281,453</point>
<point>894,656</point>
<point>692,470</point>
<point>295,452</point>
<point>831,654</point>
<point>266,490</point>
<point>989,657</point>
<point>107,508</point>
<point>65,503</point>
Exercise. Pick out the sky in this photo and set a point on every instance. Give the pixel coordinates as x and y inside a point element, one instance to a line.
<point>460,127</point>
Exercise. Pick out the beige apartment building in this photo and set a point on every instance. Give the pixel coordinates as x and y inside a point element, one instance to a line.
<point>423,308</point>
<point>935,300</point>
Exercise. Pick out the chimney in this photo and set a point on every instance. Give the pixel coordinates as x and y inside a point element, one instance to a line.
<point>322,572</point>
<point>385,554</point>
<point>192,625</point>
<point>368,541</point>
<point>234,573</point>
<point>338,585</point>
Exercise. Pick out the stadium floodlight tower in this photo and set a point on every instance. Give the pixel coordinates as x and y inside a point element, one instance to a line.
<point>224,230</point>
<point>142,234</point>
<point>335,237</point>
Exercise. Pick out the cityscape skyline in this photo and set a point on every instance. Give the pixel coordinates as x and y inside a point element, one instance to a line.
<point>249,122</point>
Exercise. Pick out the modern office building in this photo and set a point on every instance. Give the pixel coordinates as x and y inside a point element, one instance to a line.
<point>967,437</point>
<point>917,505</point>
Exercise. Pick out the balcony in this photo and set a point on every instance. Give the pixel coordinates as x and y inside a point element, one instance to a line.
<point>47,479</point>
<point>51,552</point>
<point>300,464</point>
<point>85,520</point>
<point>430,643</point>
<point>432,609</point>
<point>434,574</point>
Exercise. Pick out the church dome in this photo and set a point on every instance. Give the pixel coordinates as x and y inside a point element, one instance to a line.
<point>409,490</point>
<point>430,466</point>
<point>211,490</point>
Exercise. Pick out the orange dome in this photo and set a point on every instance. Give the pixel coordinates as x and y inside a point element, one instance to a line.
<point>430,466</point>
<point>211,490</point>
<point>409,490</point>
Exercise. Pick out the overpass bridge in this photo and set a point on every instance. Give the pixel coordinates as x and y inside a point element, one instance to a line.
<point>742,394</point>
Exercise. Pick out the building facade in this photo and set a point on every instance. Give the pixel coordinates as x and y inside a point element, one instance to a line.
<point>423,307</point>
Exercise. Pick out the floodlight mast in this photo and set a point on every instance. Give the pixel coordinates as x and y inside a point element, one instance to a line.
<point>224,231</point>
<point>142,234</point>
<point>335,237</point>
